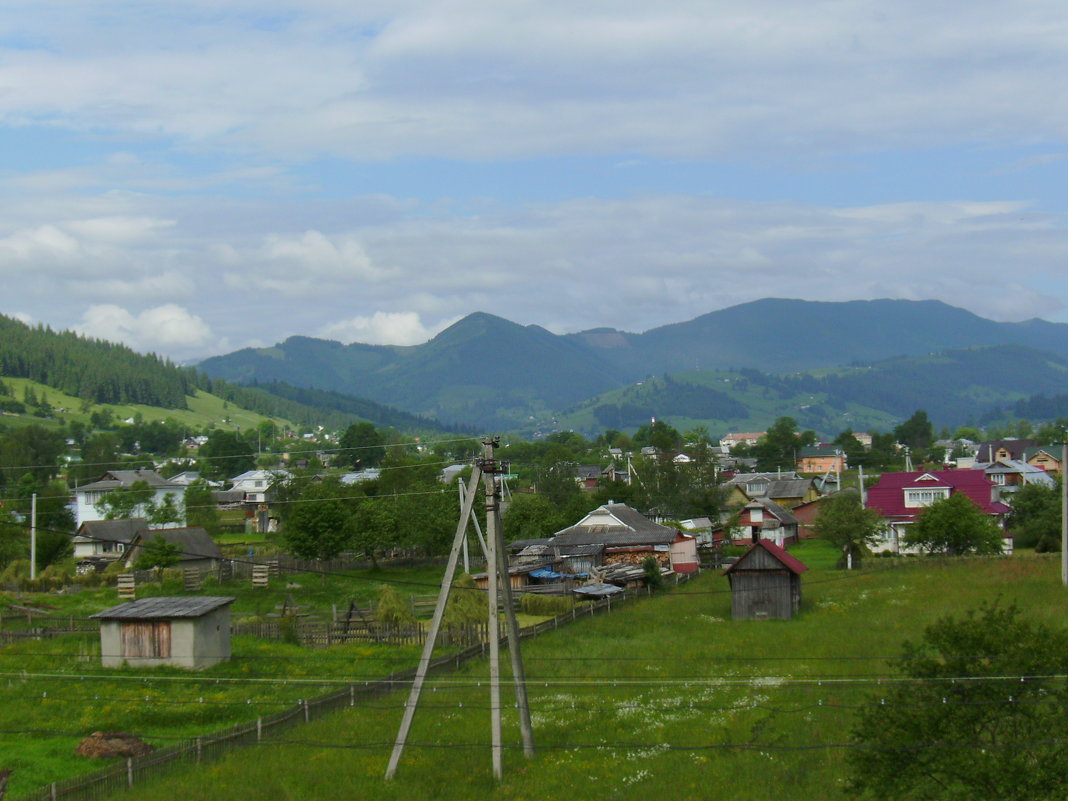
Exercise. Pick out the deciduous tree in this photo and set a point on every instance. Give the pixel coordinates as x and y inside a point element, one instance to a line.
<point>848,526</point>
<point>954,729</point>
<point>955,526</point>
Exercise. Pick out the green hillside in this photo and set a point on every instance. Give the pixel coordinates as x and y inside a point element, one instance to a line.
<point>954,387</point>
<point>665,698</point>
<point>70,376</point>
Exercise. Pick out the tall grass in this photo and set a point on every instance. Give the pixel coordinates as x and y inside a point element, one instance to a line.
<point>664,698</point>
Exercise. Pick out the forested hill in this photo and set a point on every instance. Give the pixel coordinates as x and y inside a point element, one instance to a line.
<point>97,371</point>
<point>91,369</point>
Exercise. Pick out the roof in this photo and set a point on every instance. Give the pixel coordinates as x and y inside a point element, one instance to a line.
<point>194,543</point>
<point>819,450</point>
<point>1052,451</point>
<point>783,515</point>
<point>163,607</point>
<point>598,590</point>
<point>113,479</point>
<point>1015,447</point>
<point>579,550</point>
<point>887,497</point>
<point>111,530</point>
<point>791,563</point>
<point>623,526</point>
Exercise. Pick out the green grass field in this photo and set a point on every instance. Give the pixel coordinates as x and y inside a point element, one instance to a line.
<point>204,410</point>
<point>668,697</point>
<point>55,691</point>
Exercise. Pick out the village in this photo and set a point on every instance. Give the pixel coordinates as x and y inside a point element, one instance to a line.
<point>163,596</point>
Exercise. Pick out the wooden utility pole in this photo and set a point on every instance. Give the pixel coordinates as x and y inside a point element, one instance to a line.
<point>497,566</point>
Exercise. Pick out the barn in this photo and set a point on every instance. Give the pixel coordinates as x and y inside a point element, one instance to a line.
<point>192,632</point>
<point>765,583</point>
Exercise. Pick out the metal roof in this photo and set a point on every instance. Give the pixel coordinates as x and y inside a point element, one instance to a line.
<point>164,607</point>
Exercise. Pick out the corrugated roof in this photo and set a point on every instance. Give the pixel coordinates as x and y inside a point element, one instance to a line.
<point>151,608</point>
<point>127,478</point>
<point>194,543</point>
<point>887,497</point>
<point>111,530</point>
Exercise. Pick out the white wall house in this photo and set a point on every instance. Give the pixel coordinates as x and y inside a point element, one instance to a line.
<point>87,496</point>
<point>254,484</point>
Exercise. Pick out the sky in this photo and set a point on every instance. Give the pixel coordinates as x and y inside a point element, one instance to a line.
<point>193,178</point>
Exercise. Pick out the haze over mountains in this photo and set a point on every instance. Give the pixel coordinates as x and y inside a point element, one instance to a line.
<point>873,364</point>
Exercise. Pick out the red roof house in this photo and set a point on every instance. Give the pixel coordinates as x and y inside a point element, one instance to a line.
<point>901,497</point>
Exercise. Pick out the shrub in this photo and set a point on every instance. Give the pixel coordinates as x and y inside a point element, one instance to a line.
<point>653,579</point>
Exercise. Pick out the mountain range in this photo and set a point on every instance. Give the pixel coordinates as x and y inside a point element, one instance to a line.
<point>867,363</point>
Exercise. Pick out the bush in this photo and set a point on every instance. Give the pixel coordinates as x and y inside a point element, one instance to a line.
<point>653,578</point>
<point>545,605</point>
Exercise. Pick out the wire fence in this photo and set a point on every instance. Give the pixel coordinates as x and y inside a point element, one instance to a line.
<point>126,774</point>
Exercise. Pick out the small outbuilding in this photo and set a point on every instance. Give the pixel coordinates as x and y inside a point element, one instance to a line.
<point>765,583</point>
<point>191,632</point>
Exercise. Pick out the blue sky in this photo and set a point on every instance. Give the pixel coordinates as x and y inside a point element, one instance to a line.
<point>195,177</point>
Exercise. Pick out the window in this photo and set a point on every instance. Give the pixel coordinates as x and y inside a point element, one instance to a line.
<point>916,498</point>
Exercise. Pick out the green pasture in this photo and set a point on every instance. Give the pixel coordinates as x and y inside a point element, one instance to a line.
<point>664,698</point>
<point>205,410</point>
<point>55,692</point>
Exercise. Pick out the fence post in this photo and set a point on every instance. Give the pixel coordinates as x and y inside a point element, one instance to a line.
<point>352,695</point>
<point>198,750</point>
<point>307,712</point>
<point>53,793</point>
<point>129,771</point>
<point>259,728</point>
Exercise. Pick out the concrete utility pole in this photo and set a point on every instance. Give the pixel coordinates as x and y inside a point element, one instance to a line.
<point>495,541</point>
<point>485,470</point>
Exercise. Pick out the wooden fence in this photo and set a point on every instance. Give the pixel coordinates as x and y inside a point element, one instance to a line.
<point>124,775</point>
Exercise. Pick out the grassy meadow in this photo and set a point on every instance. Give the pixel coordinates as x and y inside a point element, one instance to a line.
<point>204,410</point>
<point>667,697</point>
<point>54,692</point>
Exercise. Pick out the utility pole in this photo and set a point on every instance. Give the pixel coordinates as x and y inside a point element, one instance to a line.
<point>33,536</point>
<point>1064,514</point>
<point>495,541</point>
<point>486,470</point>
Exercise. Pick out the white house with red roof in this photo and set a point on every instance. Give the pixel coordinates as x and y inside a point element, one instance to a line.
<point>901,497</point>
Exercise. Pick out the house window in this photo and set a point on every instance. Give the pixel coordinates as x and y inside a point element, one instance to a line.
<point>998,478</point>
<point>916,498</point>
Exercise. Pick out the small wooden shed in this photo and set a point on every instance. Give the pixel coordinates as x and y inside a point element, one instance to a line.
<point>189,632</point>
<point>765,583</point>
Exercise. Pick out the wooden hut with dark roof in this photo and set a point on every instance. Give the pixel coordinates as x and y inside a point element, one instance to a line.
<point>765,583</point>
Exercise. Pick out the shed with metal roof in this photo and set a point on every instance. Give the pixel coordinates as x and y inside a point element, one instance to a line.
<point>189,632</point>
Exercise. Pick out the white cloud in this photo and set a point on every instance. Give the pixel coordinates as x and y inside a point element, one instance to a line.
<point>170,329</point>
<point>382,328</point>
<point>483,80</point>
